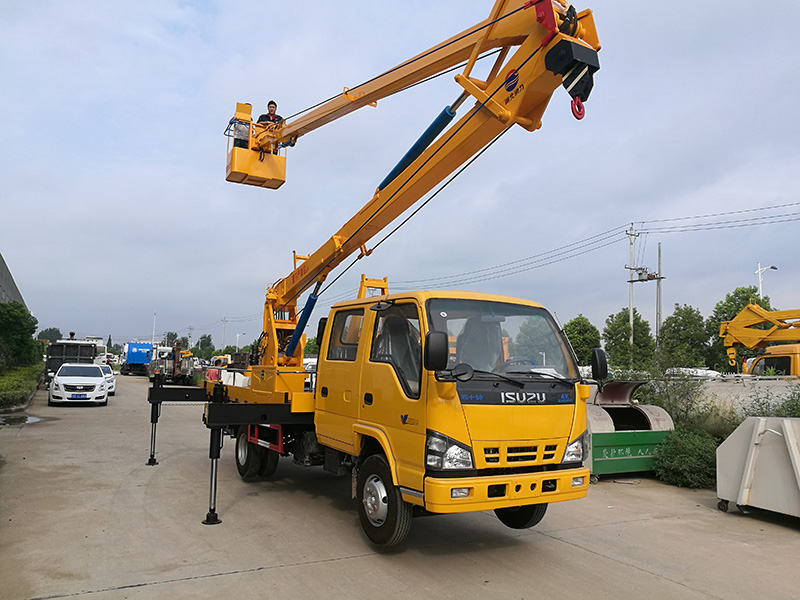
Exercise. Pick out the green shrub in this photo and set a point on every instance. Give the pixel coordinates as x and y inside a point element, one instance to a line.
<point>687,459</point>
<point>17,385</point>
<point>765,403</point>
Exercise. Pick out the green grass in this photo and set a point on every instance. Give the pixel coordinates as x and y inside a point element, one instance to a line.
<point>17,384</point>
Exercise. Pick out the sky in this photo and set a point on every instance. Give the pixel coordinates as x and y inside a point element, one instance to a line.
<point>116,219</point>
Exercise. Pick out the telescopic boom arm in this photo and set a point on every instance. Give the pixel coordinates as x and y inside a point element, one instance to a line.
<point>541,45</point>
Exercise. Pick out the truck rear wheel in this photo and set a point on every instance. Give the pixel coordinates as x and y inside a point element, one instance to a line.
<point>248,456</point>
<point>521,517</point>
<point>384,515</point>
<point>269,463</point>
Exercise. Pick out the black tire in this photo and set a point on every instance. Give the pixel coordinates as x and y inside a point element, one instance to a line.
<point>384,515</point>
<point>248,456</point>
<point>269,463</point>
<point>521,517</point>
<point>722,505</point>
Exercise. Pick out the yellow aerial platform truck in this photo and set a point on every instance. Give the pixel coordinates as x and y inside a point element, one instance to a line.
<point>434,402</point>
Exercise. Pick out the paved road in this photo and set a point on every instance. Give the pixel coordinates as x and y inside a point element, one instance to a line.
<point>83,517</point>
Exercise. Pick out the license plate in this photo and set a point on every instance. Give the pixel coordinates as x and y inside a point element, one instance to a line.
<point>79,396</point>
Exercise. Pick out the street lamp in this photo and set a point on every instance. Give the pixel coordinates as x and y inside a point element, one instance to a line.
<point>759,271</point>
<point>237,341</point>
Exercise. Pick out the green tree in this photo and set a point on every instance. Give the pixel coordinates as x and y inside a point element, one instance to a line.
<point>184,342</point>
<point>682,340</point>
<point>205,343</point>
<point>312,348</point>
<point>584,337</point>
<point>206,353</point>
<point>169,338</point>
<point>616,336</point>
<point>725,310</point>
<point>535,340</point>
<point>17,326</point>
<point>51,334</point>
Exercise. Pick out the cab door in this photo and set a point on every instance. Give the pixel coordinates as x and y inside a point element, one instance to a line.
<point>391,397</point>
<point>338,376</point>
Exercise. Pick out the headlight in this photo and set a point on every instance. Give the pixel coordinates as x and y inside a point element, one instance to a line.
<point>442,452</point>
<point>55,384</point>
<point>575,450</point>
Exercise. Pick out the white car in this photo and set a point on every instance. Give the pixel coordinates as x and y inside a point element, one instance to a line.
<point>78,383</point>
<point>111,380</point>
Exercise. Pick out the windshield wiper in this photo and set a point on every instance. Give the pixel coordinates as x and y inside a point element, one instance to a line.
<point>501,376</point>
<point>548,375</point>
<point>465,372</point>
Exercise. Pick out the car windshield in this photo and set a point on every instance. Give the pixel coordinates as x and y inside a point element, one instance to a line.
<point>502,337</point>
<point>79,371</point>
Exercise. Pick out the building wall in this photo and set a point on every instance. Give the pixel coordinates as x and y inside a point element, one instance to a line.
<point>8,289</point>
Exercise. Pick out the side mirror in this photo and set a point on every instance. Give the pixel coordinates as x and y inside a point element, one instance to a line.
<point>599,364</point>
<point>437,351</point>
<point>321,331</point>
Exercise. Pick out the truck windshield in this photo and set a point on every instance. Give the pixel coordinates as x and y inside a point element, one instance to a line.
<point>502,337</point>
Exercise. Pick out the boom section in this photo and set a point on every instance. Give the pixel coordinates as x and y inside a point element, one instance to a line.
<point>517,92</point>
<point>756,327</point>
<point>510,24</point>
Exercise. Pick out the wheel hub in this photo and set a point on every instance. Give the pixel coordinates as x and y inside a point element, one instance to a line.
<point>376,501</point>
<point>241,453</point>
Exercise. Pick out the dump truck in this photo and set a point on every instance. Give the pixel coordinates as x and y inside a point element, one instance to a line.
<point>72,350</point>
<point>136,357</point>
<point>495,420</point>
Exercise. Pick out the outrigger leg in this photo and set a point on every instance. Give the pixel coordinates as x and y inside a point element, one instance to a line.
<point>213,453</point>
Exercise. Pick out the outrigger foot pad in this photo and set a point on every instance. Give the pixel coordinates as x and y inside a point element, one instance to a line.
<point>212,519</point>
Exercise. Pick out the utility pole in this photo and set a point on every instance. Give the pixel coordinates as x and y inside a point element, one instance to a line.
<point>153,341</point>
<point>631,236</point>
<point>191,329</point>
<point>658,295</point>
<point>642,274</point>
<point>224,323</point>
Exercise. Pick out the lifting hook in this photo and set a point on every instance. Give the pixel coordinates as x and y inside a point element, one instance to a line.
<point>578,111</point>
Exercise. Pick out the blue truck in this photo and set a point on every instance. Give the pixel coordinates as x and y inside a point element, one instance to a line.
<point>135,358</point>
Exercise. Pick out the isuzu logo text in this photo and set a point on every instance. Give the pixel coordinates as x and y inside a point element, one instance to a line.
<point>523,397</point>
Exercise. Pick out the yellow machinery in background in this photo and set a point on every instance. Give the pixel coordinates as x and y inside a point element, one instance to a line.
<point>755,328</point>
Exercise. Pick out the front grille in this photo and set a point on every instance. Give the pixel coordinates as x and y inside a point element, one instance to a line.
<point>79,388</point>
<point>520,455</point>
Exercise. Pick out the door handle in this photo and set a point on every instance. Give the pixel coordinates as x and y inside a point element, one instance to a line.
<point>368,398</point>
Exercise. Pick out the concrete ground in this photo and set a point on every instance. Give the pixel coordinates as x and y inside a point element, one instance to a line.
<point>82,516</point>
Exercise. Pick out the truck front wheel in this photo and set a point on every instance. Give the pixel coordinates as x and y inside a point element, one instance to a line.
<point>384,515</point>
<point>248,456</point>
<point>521,517</point>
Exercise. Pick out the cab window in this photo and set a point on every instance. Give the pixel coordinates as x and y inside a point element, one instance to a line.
<point>773,365</point>
<point>396,340</point>
<point>345,333</point>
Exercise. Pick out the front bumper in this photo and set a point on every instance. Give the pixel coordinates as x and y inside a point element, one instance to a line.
<point>62,396</point>
<point>504,491</point>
